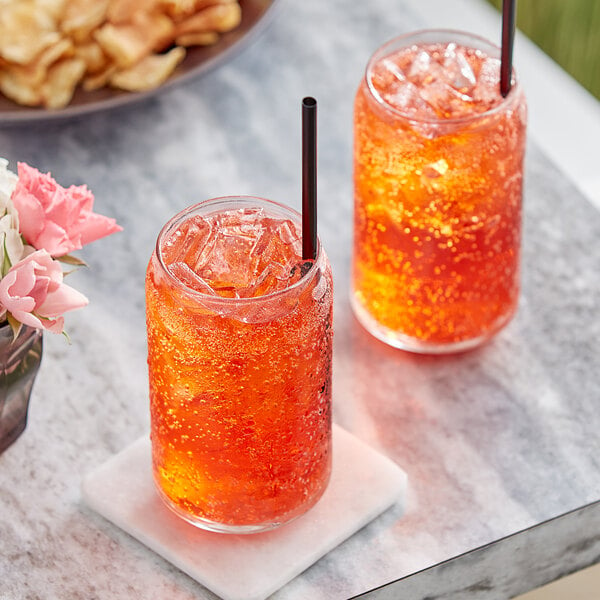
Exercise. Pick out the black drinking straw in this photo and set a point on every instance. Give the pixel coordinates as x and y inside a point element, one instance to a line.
<point>508,38</point>
<point>309,179</point>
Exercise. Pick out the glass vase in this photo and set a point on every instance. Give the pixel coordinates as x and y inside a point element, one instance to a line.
<point>20,359</point>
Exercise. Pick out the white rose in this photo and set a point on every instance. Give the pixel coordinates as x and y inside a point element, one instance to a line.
<point>8,181</point>
<point>11,243</point>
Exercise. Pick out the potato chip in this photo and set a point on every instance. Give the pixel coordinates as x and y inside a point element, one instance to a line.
<point>51,54</point>
<point>125,44</point>
<point>179,9</point>
<point>149,73</point>
<point>124,11</point>
<point>219,18</point>
<point>156,28</point>
<point>35,72</point>
<point>202,38</point>
<point>93,56</point>
<point>62,80</point>
<point>100,79</point>
<point>27,75</point>
<point>25,32</point>
<point>53,8</point>
<point>81,17</point>
<point>13,86</point>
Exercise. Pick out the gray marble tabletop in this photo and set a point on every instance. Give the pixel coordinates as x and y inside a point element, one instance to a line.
<point>501,445</point>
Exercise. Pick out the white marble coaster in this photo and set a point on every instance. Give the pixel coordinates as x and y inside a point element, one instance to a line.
<point>247,567</point>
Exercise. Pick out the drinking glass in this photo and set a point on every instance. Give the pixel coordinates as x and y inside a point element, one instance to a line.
<point>438,179</point>
<point>239,355</point>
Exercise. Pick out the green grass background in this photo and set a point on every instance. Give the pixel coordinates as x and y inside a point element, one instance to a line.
<point>566,30</point>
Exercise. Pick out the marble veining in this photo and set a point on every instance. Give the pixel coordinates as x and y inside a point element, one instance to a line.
<point>495,441</point>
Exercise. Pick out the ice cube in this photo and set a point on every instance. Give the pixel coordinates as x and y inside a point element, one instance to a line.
<point>408,99</point>
<point>228,263</point>
<point>425,69</point>
<point>288,233</point>
<point>449,50</point>
<point>457,70</point>
<point>186,244</point>
<point>280,247</point>
<point>245,222</point>
<point>266,283</point>
<point>183,273</point>
<point>489,72</point>
<point>419,68</point>
<point>487,91</point>
<point>387,75</point>
<point>391,67</point>
<point>447,101</point>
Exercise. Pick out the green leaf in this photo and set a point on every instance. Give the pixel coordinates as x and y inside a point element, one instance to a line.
<point>14,325</point>
<point>71,260</point>
<point>6,264</point>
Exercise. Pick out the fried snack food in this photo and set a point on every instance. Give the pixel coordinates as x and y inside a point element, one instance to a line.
<point>50,47</point>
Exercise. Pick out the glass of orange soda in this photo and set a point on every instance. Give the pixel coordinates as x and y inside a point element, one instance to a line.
<point>438,180</point>
<point>239,355</point>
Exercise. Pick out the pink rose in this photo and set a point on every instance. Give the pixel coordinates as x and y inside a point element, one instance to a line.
<point>56,219</point>
<point>33,292</point>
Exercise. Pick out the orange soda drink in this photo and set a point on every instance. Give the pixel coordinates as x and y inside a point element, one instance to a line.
<point>239,356</point>
<point>438,178</point>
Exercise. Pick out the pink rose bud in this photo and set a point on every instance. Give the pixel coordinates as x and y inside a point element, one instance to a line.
<point>33,292</point>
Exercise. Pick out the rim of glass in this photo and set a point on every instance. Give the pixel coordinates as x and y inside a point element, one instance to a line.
<point>443,35</point>
<point>249,201</point>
